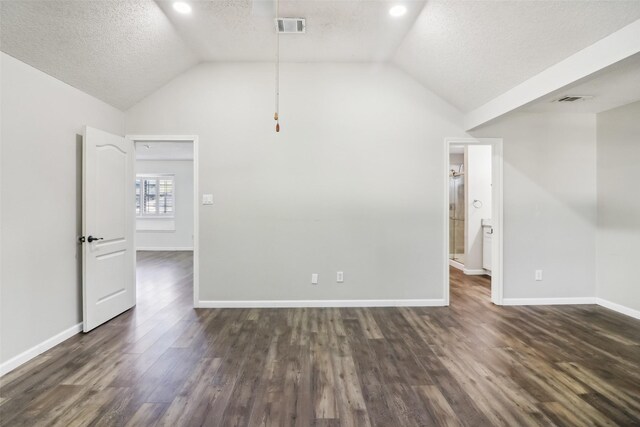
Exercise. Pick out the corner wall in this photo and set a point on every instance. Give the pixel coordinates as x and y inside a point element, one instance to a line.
<point>549,206</point>
<point>42,121</point>
<point>619,208</point>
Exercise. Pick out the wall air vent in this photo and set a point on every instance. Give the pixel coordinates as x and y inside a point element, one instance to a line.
<point>291,25</point>
<point>573,98</point>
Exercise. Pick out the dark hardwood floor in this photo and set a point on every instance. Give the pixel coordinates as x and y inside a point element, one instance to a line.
<point>473,363</point>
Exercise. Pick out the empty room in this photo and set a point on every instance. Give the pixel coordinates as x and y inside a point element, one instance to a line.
<point>325,213</point>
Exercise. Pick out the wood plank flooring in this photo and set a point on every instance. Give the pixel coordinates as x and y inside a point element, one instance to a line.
<point>472,364</point>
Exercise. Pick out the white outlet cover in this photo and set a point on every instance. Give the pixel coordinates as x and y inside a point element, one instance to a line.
<point>207,199</point>
<point>340,277</point>
<point>314,278</point>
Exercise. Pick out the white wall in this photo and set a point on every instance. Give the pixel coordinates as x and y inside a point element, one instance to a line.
<point>477,187</point>
<point>180,237</point>
<point>619,205</point>
<point>42,120</point>
<point>549,203</point>
<point>352,183</point>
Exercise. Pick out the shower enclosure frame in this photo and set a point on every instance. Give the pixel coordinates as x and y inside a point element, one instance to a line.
<point>497,271</point>
<point>457,179</point>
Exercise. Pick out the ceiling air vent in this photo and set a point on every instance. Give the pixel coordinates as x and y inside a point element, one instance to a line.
<point>573,98</point>
<point>291,25</point>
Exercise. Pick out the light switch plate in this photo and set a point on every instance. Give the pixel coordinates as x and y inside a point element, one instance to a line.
<point>207,199</point>
<point>340,277</point>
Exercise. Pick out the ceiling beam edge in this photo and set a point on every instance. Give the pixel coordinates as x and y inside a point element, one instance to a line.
<point>603,53</point>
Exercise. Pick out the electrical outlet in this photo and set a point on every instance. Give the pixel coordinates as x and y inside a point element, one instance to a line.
<point>314,278</point>
<point>340,277</point>
<point>538,275</point>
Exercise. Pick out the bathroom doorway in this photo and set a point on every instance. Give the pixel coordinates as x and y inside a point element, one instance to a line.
<point>473,223</point>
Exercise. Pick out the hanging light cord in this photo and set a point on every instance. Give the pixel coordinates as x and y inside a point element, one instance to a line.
<point>276,115</point>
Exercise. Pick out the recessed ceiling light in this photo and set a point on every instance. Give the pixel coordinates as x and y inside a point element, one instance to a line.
<point>397,10</point>
<point>182,7</point>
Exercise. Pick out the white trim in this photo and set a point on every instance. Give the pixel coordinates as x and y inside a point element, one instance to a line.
<point>38,349</point>
<point>549,301</point>
<point>323,303</point>
<point>166,249</point>
<point>164,160</point>
<point>605,52</point>
<point>196,198</point>
<point>574,301</point>
<point>474,272</point>
<point>497,221</point>
<point>619,308</point>
<point>497,205</point>
<point>455,264</point>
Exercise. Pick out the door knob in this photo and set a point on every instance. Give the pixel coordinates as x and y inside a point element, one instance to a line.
<point>92,239</point>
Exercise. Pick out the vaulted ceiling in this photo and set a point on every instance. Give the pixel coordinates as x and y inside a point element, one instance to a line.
<point>340,31</point>
<point>117,51</point>
<point>469,52</point>
<point>466,51</point>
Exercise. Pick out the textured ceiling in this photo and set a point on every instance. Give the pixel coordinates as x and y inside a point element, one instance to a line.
<point>122,50</point>
<point>337,31</point>
<point>118,51</point>
<point>469,52</point>
<point>612,87</point>
<point>466,51</point>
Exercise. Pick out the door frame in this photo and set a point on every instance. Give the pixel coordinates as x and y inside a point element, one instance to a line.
<point>497,213</point>
<point>196,192</point>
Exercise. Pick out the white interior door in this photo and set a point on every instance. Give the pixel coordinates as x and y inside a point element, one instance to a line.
<point>108,267</point>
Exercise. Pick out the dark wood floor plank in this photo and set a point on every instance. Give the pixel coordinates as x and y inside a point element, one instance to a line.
<point>146,415</point>
<point>374,390</point>
<point>470,364</point>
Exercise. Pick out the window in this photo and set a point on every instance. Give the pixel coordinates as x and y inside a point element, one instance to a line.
<point>155,196</point>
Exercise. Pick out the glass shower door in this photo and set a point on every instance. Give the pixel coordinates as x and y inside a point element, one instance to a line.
<point>456,217</point>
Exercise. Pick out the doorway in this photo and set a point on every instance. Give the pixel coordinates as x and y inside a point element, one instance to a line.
<point>166,210</point>
<point>473,218</point>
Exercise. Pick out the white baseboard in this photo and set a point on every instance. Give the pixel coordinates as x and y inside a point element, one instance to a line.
<point>474,272</point>
<point>581,300</point>
<point>456,264</point>
<point>164,249</point>
<point>45,345</point>
<point>548,301</point>
<point>619,308</point>
<point>323,303</point>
